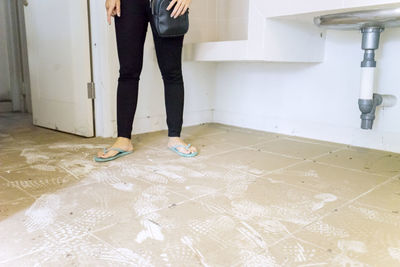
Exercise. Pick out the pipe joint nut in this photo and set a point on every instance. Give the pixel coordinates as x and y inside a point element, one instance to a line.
<point>366,105</point>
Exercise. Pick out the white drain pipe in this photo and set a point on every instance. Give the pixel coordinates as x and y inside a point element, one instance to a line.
<point>371,23</point>
<point>368,100</point>
<point>367,83</point>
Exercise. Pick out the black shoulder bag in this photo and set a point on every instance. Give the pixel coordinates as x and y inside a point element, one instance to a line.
<point>166,25</point>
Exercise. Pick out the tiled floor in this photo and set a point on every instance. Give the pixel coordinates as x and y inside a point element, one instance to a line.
<point>248,199</point>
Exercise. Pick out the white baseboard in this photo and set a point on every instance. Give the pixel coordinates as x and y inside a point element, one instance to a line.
<point>354,136</point>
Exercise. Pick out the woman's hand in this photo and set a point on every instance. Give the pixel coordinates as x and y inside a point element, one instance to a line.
<point>113,8</point>
<point>180,7</point>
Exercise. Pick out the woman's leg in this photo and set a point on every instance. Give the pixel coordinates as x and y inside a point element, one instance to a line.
<point>169,58</point>
<point>130,30</point>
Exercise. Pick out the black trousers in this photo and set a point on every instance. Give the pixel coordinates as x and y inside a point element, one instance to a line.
<point>131,30</point>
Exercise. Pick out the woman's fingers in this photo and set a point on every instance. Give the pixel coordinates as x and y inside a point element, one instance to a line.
<point>184,10</point>
<point>113,8</point>
<point>176,10</point>
<point>109,14</point>
<point>171,4</point>
<point>118,8</point>
<point>180,8</point>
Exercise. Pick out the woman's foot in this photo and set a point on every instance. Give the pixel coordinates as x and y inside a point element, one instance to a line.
<point>122,142</point>
<point>173,141</point>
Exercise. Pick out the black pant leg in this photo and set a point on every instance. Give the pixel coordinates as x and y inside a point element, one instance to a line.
<point>131,30</point>
<point>169,58</point>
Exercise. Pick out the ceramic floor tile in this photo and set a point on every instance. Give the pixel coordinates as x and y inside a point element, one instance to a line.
<point>38,136</point>
<point>105,198</point>
<point>314,141</point>
<point>145,156</point>
<point>251,161</point>
<point>296,148</point>
<point>242,138</point>
<point>191,179</point>
<point>12,160</point>
<point>8,209</point>
<point>276,209</point>
<point>208,146</point>
<point>35,228</point>
<point>9,192</point>
<point>81,251</point>
<point>6,141</point>
<point>357,236</point>
<point>339,182</point>
<point>32,155</point>
<point>47,179</point>
<point>156,140</point>
<point>289,252</point>
<point>231,205</point>
<point>211,129</point>
<point>184,235</point>
<point>371,161</point>
<point>386,196</point>
<point>205,129</point>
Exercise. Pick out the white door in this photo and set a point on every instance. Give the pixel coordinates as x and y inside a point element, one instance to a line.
<point>59,65</point>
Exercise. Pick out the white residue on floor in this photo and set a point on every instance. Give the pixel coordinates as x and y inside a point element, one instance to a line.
<point>151,230</point>
<point>42,213</point>
<point>128,187</point>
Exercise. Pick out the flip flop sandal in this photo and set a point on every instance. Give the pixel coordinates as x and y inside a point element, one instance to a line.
<point>174,148</point>
<point>120,153</point>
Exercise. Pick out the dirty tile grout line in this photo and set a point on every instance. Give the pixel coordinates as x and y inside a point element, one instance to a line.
<point>374,207</point>
<point>351,169</point>
<point>339,207</point>
<point>314,160</point>
<point>28,166</point>
<point>213,134</point>
<point>263,142</point>
<point>19,188</point>
<point>275,138</point>
<point>221,188</point>
<point>187,199</point>
<point>21,256</point>
<point>277,170</point>
<point>44,248</point>
<point>291,165</point>
<point>224,187</point>
<point>293,234</point>
<point>85,233</point>
<point>279,137</point>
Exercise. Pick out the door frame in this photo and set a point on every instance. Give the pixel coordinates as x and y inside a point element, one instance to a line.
<point>89,15</point>
<point>18,57</point>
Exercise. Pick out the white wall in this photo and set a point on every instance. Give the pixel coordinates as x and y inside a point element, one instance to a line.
<point>218,20</point>
<point>150,114</point>
<point>4,62</point>
<point>232,19</point>
<point>313,100</point>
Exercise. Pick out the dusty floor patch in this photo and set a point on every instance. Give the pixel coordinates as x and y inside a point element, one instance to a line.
<point>249,198</point>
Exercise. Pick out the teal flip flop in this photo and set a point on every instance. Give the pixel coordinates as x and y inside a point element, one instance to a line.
<point>120,153</point>
<point>174,148</point>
